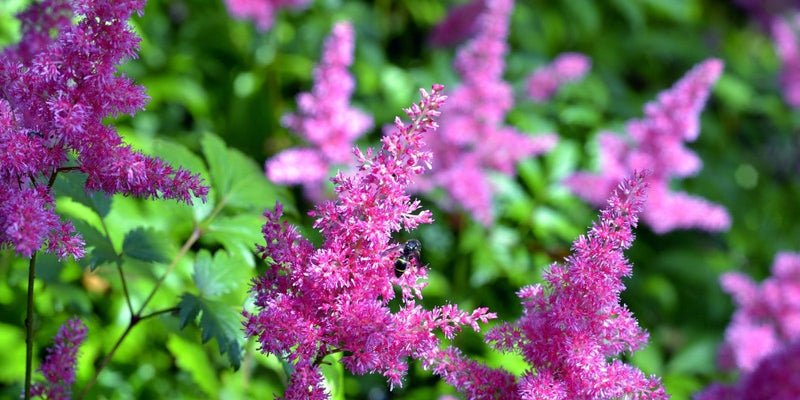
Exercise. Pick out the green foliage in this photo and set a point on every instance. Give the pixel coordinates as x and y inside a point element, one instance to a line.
<point>218,320</point>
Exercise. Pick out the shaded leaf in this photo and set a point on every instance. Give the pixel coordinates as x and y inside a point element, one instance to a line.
<point>218,320</point>
<point>145,245</point>
<point>101,249</point>
<point>72,186</point>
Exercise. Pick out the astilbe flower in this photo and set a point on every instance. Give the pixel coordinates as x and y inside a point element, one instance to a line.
<point>59,366</point>
<point>262,12</point>
<point>656,142</point>
<point>474,140</point>
<point>546,80</point>
<point>785,32</point>
<point>573,325</point>
<point>762,341</point>
<point>459,24</point>
<point>57,86</point>
<point>314,302</point>
<point>324,118</point>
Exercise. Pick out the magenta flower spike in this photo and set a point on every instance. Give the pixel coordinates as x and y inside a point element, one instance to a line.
<point>785,34</point>
<point>313,302</point>
<point>762,342</point>
<point>55,91</point>
<point>656,142</point>
<point>573,326</point>
<point>59,366</point>
<point>546,80</point>
<point>262,12</point>
<point>474,140</point>
<point>324,119</point>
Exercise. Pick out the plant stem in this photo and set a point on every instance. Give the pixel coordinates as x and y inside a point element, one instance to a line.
<point>137,317</point>
<point>29,328</point>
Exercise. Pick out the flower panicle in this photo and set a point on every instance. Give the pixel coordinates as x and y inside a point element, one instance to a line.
<point>324,119</point>
<point>573,326</point>
<point>59,366</point>
<point>57,85</point>
<point>657,143</point>
<point>312,302</point>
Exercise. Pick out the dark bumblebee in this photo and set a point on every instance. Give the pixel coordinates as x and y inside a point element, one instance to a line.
<point>410,252</point>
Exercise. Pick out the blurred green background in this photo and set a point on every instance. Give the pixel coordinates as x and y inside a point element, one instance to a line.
<point>210,75</point>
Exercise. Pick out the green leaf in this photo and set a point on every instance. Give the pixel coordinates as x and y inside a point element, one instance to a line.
<point>102,250</point>
<point>218,320</point>
<point>191,357</point>
<point>145,245</point>
<point>239,181</point>
<point>72,186</point>
<point>220,274</point>
<point>237,234</point>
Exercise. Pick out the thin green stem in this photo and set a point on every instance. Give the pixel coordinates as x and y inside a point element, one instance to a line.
<point>29,328</point>
<point>159,312</point>
<point>184,249</point>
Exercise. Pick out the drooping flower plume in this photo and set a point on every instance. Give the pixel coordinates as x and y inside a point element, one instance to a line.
<point>56,87</point>
<point>324,119</point>
<point>573,327</point>
<point>546,80</point>
<point>262,12</point>
<point>59,366</point>
<point>656,142</point>
<point>474,139</point>
<point>313,302</point>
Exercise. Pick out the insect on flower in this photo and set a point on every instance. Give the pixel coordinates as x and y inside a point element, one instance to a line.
<point>409,251</point>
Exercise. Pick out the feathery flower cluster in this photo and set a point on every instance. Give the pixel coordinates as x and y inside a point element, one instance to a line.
<point>261,11</point>
<point>763,338</point>
<point>314,302</point>
<point>57,85</point>
<point>656,142</point>
<point>785,33</point>
<point>59,366</point>
<point>474,139</point>
<point>324,118</point>
<point>546,80</point>
<point>573,324</point>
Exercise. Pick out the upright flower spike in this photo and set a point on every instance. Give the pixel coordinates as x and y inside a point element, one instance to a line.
<point>59,366</point>
<point>262,12</point>
<point>573,326</point>
<point>656,142</point>
<point>474,139</point>
<point>315,302</point>
<point>324,119</point>
<point>55,91</point>
<point>567,67</point>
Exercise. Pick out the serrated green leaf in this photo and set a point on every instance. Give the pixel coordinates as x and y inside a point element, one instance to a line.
<point>238,180</point>
<point>237,234</point>
<point>145,245</point>
<point>102,250</point>
<point>191,357</point>
<point>72,186</point>
<point>218,320</point>
<point>218,275</point>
